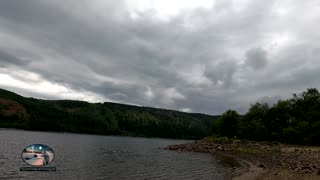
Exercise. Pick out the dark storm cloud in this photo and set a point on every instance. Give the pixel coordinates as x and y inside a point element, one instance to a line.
<point>256,58</point>
<point>31,13</point>
<point>201,60</point>
<point>7,58</point>
<point>269,100</point>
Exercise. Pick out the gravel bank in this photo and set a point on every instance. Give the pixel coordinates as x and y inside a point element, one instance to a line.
<point>265,160</point>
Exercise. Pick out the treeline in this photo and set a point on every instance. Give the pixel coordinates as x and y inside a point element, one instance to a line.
<point>99,118</point>
<point>295,120</point>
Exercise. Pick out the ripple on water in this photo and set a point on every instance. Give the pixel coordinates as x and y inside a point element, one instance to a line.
<point>81,156</point>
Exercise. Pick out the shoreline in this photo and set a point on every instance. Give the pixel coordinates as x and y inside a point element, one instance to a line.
<point>261,160</point>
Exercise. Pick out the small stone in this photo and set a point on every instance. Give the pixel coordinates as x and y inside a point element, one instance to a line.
<point>306,171</point>
<point>262,165</point>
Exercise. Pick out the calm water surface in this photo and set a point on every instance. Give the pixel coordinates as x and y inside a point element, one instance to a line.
<point>79,156</point>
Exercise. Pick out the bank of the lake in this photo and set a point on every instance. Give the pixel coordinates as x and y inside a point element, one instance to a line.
<point>261,160</point>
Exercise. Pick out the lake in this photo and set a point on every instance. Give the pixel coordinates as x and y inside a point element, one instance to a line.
<point>83,156</point>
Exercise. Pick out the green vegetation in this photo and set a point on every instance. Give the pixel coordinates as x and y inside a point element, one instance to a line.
<point>219,140</point>
<point>99,118</point>
<point>295,120</point>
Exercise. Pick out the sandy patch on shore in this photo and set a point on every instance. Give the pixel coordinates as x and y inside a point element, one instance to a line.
<point>256,173</point>
<point>253,172</point>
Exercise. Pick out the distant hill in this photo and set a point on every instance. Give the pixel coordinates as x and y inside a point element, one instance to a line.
<point>100,118</point>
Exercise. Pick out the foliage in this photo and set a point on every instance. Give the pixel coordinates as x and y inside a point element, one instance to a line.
<point>295,120</point>
<point>100,118</point>
<point>219,139</point>
<point>227,124</point>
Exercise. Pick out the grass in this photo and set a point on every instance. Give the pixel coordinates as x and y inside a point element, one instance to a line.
<point>219,140</point>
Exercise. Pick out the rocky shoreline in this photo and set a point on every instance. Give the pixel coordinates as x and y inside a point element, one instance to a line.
<point>273,158</point>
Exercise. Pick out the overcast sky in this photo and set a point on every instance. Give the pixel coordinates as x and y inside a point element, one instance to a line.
<point>189,55</point>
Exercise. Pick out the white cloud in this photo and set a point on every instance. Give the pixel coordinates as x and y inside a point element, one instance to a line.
<point>35,84</point>
<point>165,9</point>
<point>149,93</point>
<point>186,110</point>
<point>169,96</point>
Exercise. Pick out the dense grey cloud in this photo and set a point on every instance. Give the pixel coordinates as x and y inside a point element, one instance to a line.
<point>201,60</point>
<point>256,58</point>
<point>7,58</point>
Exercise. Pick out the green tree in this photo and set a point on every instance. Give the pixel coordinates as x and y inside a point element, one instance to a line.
<point>227,124</point>
<point>252,125</point>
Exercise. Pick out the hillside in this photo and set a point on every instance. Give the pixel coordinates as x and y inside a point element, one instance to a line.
<point>99,118</point>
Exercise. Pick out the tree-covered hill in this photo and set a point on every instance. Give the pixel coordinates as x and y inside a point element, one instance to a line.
<point>99,118</point>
